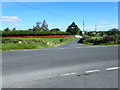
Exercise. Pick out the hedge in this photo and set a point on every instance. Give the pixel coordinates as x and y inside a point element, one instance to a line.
<point>33,33</point>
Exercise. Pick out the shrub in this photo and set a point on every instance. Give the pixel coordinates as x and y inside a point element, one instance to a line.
<point>108,39</point>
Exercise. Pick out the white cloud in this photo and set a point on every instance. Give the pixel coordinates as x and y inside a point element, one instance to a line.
<point>10,18</point>
<point>60,26</point>
<point>102,22</point>
<point>14,24</point>
<point>101,27</point>
<point>50,24</point>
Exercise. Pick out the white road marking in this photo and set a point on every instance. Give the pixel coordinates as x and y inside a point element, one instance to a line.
<point>67,74</point>
<point>91,71</point>
<point>96,46</point>
<point>78,47</point>
<point>112,68</point>
<point>62,48</point>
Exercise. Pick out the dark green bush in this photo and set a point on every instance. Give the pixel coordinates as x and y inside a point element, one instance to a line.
<point>108,39</point>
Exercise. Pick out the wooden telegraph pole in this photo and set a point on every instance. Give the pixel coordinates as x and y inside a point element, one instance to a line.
<point>83,29</point>
<point>95,27</point>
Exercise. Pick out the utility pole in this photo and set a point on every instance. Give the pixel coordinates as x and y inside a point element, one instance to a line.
<point>83,26</point>
<point>95,27</point>
<point>83,29</point>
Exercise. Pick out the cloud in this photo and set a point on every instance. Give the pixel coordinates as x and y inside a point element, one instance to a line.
<point>60,26</point>
<point>102,22</point>
<point>14,24</point>
<point>10,18</point>
<point>50,24</point>
<point>101,27</point>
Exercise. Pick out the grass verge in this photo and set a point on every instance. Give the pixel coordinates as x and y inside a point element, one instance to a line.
<point>88,43</point>
<point>33,43</point>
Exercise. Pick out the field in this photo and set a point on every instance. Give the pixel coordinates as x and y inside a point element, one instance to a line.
<point>33,43</point>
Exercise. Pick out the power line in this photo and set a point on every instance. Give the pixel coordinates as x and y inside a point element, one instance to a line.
<point>44,11</point>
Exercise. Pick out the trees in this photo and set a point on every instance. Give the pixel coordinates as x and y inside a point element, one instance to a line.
<point>113,31</point>
<point>37,27</point>
<point>73,29</point>
<point>44,26</point>
<point>101,33</point>
<point>41,26</point>
<point>7,29</point>
<point>14,29</point>
<point>91,33</point>
<point>55,30</point>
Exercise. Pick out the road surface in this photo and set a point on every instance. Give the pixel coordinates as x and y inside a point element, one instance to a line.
<point>71,65</point>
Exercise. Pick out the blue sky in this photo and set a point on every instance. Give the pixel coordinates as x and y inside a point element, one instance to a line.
<point>23,15</point>
<point>61,0</point>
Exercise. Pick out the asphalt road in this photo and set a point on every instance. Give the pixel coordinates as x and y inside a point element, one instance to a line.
<point>71,65</point>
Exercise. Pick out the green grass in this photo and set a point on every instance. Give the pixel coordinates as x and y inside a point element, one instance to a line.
<point>33,43</point>
<point>96,37</point>
<point>12,46</point>
<point>51,39</point>
<point>88,43</point>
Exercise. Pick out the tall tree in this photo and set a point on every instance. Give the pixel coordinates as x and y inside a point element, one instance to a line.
<point>44,26</point>
<point>14,29</point>
<point>73,29</point>
<point>37,27</point>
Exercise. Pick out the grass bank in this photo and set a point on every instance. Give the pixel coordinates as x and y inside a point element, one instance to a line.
<point>32,43</point>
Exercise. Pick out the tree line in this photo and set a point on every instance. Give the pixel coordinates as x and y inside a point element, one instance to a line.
<point>41,29</point>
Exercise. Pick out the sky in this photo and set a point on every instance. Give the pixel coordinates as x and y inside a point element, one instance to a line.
<point>23,15</point>
<point>61,0</point>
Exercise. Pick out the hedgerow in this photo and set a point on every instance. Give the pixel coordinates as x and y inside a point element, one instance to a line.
<point>113,39</point>
<point>32,33</point>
